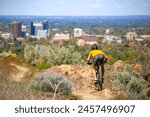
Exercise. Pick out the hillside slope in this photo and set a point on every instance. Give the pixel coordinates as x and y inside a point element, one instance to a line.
<point>80,75</point>
<point>15,68</point>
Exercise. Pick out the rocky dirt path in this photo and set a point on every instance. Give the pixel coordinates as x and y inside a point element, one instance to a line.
<point>82,76</point>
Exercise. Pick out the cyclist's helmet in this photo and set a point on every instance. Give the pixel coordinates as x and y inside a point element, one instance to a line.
<point>95,47</point>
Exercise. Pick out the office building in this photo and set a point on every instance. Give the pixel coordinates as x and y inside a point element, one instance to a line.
<point>40,29</point>
<point>61,36</point>
<point>42,34</point>
<point>32,29</point>
<point>131,36</point>
<point>16,29</point>
<point>45,25</point>
<point>6,36</point>
<point>37,26</point>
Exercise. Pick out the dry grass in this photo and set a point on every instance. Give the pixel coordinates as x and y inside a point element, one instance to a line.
<point>12,90</point>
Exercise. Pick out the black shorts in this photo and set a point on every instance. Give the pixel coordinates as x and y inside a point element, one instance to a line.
<point>98,59</point>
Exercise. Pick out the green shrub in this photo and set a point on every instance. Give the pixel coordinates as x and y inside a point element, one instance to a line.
<point>53,55</point>
<point>42,65</point>
<point>52,83</point>
<point>130,52</point>
<point>111,60</point>
<point>120,56</point>
<point>143,58</point>
<point>130,82</point>
<point>120,52</point>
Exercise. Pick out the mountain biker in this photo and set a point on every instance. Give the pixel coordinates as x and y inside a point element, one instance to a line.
<point>99,58</point>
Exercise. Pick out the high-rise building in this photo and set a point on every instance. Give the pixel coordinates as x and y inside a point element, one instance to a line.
<point>16,29</point>
<point>24,28</point>
<point>41,27</point>
<point>37,26</point>
<point>32,28</point>
<point>45,25</point>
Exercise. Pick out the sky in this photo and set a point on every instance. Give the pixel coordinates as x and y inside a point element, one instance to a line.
<point>75,7</point>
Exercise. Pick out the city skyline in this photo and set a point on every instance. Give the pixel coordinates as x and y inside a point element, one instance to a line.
<point>75,7</point>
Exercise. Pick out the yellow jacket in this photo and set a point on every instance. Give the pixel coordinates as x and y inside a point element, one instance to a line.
<point>94,53</point>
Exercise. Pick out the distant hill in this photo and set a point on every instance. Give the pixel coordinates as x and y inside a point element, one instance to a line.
<point>107,20</point>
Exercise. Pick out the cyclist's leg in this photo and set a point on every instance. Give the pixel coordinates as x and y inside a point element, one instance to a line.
<point>102,70</point>
<point>94,72</point>
<point>95,63</point>
<point>101,63</point>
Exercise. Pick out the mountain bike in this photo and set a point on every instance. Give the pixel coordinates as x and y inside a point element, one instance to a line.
<point>99,79</point>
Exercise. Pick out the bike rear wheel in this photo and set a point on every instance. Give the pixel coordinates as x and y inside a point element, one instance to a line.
<point>99,79</point>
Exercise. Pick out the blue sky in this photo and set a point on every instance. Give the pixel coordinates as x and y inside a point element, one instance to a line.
<point>75,7</point>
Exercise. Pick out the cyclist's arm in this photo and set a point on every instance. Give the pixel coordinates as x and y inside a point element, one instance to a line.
<point>106,58</point>
<point>89,57</point>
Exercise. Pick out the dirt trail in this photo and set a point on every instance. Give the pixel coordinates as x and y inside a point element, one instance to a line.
<point>82,76</point>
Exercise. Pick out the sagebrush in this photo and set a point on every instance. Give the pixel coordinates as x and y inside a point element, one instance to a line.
<point>52,55</point>
<point>129,81</point>
<point>52,83</point>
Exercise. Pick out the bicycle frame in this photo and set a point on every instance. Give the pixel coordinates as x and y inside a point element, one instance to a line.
<point>99,80</point>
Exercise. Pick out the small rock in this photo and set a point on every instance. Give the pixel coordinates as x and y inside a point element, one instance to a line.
<point>137,68</point>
